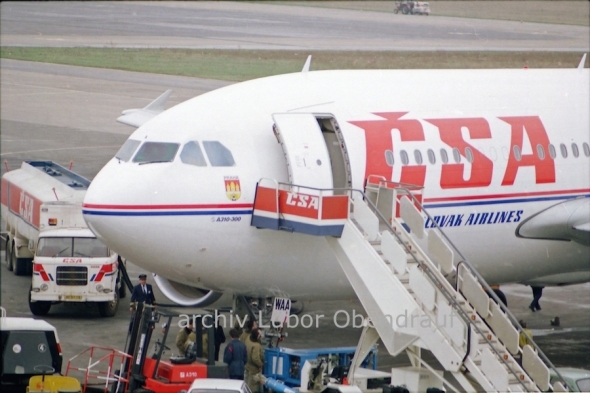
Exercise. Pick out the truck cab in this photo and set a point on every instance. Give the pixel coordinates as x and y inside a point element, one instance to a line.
<point>72,265</point>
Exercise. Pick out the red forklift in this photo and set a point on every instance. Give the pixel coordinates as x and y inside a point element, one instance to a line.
<point>153,374</point>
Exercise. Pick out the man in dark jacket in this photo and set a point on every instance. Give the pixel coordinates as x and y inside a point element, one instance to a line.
<point>142,293</point>
<point>235,356</point>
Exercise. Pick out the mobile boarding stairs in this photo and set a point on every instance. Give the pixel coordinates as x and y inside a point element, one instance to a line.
<point>397,267</point>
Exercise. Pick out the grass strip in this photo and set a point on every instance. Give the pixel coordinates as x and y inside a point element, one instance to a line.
<point>240,65</point>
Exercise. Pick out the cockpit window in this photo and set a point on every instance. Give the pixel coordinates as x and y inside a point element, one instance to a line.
<point>192,154</point>
<point>126,151</point>
<point>152,152</point>
<point>218,154</point>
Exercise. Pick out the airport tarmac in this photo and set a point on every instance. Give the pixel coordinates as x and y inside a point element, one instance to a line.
<point>251,25</point>
<point>65,113</point>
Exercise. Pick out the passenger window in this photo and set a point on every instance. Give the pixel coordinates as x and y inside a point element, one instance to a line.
<point>586,149</point>
<point>516,151</point>
<point>218,154</point>
<point>418,157</point>
<point>192,154</point>
<point>469,154</point>
<point>443,156</point>
<point>540,152</point>
<point>389,157</point>
<point>552,152</point>
<point>493,154</point>
<point>431,156</point>
<point>575,150</point>
<point>151,152</point>
<point>404,157</point>
<point>456,155</point>
<point>563,149</point>
<point>126,151</point>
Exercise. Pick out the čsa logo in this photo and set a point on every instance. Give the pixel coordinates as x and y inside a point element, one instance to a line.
<point>301,200</point>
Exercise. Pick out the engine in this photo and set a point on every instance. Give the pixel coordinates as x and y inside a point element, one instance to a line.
<point>186,295</point>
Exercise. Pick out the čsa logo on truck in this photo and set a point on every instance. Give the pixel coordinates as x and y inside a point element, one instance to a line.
<point>26,206</point>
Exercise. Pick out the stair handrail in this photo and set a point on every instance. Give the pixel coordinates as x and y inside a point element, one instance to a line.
<point>450,296</point>
<point>479,278</point>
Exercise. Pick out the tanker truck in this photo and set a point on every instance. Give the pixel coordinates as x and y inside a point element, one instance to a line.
<point>46,236</point>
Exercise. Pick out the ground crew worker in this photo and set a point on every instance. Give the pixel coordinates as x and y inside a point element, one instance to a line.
<point>522,338</point>
<point>235,355</point>
<point>255,361</point>
<point>250,324</point>
<point>185,336</point>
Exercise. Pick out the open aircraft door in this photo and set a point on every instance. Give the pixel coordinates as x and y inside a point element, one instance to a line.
<point>308,159</point>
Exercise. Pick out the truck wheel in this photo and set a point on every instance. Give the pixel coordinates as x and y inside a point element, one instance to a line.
<point>38,308</point>
<point>19,265</point>
<point>8,256</point>
<point>109,309</point>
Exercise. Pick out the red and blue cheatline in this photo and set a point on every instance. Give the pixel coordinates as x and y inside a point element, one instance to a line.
<point>317,215</point>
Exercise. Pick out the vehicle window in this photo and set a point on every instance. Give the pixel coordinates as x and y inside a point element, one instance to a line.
<point>552,152</point>
<point>431,156</point>
<point>192,154</point>
<point>404,157</point>
<point>563,149</point>
<point>418,157</point>
<point>456,155</point>
<point>540,152</point>
<point>583,384</point>
<point>86,247</point>
<point>55,247</point>
<point>575,150</point>
<point>517,153</point>
<point>218,154</point>
<point>29,354</point>
<point>493,154</point>
<point>469,154</point>
<point>126,151</point>
<point>151,152</point>
<point>443,156</point>
<point>586,149</point>
<point>389,157</point>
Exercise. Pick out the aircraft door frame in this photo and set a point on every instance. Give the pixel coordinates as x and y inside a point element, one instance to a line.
<point>314,149</point>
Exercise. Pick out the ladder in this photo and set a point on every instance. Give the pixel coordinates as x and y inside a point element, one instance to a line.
<point>419,292</point>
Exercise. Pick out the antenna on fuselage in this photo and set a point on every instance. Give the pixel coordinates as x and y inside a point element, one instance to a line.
<point>307,64</point>
<point>581,65</point>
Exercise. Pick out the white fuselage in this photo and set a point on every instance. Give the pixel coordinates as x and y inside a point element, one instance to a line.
<point>183,222</point>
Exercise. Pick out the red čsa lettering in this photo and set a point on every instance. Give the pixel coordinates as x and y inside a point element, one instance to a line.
<point>378,140</point>
<point>481,167</point>
<point>532,125</point>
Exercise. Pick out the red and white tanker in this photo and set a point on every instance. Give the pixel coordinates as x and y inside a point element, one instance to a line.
<point>48,238</point>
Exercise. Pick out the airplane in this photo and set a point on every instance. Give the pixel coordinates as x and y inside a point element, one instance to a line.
<point>503,157</point>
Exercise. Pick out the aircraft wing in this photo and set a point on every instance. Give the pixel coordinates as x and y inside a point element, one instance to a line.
<point>138,117</point>
<point>569,220</point>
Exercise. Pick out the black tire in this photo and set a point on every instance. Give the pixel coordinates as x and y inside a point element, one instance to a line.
<point>142,390</point>
<point>8,255</point>
<point>39,308</point>
<point>405,10</point>
<point>19,265</point>
<point>109,309</point>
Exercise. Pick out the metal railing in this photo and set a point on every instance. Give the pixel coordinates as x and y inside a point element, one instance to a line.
<point>448,291</point>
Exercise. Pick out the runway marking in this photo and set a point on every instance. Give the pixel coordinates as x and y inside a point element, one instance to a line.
<point>64,148</point>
